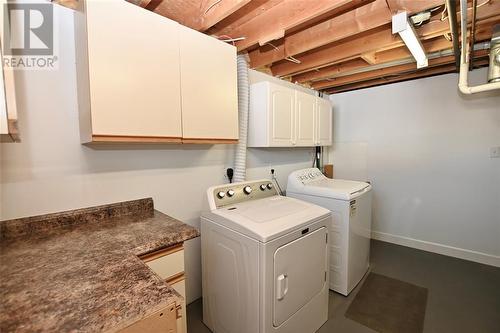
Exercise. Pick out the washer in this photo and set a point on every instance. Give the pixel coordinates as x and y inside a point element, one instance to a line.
<point>264,261</point>
<point>350,204</point>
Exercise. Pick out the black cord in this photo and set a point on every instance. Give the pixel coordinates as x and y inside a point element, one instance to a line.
<point>280,191</point>
<point>230,173</point>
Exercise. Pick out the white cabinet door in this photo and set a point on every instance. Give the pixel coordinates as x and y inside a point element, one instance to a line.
<point>305,119</point>
<point>324,122</point>
<point>133,70</point>
<point>209,88</point>
<point>281,116</point>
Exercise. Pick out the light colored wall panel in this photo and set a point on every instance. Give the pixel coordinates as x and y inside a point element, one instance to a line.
<point>425,148</point>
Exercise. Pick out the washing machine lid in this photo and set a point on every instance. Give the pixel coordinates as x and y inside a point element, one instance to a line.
<point>336,188</point>
<point>312,182</point>
<point>268,218</point>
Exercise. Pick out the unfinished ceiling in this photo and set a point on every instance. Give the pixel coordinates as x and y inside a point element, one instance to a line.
<point>331,45</point>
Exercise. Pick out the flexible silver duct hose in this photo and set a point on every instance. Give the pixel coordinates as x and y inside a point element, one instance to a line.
<point>240,158</point>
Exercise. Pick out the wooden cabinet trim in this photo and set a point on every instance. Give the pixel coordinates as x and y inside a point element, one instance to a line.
<point>97,138</point>
<point>161,253</point>
<point>209,141</point>
<point>176,278</point>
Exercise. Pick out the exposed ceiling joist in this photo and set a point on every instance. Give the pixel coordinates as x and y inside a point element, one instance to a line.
<point>352,48</point>
<point>285,16</point>
<point>198,15</point>
<point>324,43</point>
<point>362,19</point>
<point>437,44</point>
<point>377,41</point>
<point>445,69</point>
<point>140,3</point>
<point>321,85</point>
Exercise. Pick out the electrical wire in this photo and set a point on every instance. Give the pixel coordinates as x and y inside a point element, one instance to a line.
<point>275,180</point>
<point>468,8</point>
<point>211,6</point>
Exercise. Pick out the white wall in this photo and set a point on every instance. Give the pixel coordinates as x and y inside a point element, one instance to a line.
<point>51,171</point>
<point>425,148</point>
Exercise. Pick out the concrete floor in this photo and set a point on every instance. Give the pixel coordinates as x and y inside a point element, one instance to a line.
<point>463,296</point>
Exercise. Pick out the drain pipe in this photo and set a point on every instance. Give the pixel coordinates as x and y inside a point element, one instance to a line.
<point>463,84</point>
<point>240,157</point>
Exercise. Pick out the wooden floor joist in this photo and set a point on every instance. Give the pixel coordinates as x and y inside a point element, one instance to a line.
<point>327,44</point>
<point>398,77</point>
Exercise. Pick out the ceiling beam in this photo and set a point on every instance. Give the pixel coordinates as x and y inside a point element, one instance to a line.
<point>403,77</point>
<point>354,22</point>
<point>338,52</point>
<point>375,41</point>
<point>140,3</point>
<point>195,14</point>
<point>219,11</point>
<point>433,45</point>
<point>450,68</point>
<point>394,70</point>
<point>283,17</point>
<point>364,18</point>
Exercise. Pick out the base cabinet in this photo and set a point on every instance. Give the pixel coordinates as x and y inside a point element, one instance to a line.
<point>169,265</point>
<point>163,321</point>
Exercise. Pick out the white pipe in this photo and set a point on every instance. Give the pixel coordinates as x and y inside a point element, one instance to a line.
<point>463,84</point>
<point>240,157</point>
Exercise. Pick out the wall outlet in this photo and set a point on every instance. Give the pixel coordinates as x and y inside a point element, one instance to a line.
<point>495,152</point>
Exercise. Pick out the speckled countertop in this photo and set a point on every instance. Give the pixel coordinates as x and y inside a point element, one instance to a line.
<point>78,271</point>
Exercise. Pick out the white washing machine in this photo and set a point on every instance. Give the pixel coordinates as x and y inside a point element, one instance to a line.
<point>350,204</point>
<point>264,261</point>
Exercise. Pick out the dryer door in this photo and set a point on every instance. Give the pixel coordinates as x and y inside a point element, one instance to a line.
<point>299,273</point>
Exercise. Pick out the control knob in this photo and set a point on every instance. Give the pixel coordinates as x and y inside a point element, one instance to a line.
<point>247,189</point>
<point>269,186</point>
<point>263,187</point>
<point>230,193</point>
<point>221,194</point>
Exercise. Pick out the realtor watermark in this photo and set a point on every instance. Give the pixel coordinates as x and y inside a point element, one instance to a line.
<point>29,35</point>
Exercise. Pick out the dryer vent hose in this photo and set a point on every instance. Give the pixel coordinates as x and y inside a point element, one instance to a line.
<point>240,158</point>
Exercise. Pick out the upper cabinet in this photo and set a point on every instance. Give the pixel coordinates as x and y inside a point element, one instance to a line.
<point>305,115</point>
<point>324,122</point>
<point>132,86</point>
<point>284,117</point>
<point>209,88</point>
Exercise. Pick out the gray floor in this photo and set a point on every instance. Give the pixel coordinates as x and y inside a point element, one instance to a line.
<point>463,296</point>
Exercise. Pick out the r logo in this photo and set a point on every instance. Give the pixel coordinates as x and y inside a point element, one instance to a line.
<point>28,29</point>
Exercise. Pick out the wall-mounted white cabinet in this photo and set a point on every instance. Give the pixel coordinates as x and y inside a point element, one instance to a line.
<point>324,122</point>
<point>132,86</point>
<point>284,117</point>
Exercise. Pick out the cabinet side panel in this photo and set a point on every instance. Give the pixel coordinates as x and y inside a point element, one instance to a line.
<point>82,73</point>
<point>258,131</point>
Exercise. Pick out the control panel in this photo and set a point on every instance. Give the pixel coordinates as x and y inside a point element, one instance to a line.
<point>228,194</point>
<point>306,176</point>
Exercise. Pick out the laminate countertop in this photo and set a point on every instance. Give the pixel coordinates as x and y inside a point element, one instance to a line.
<point>79,271</point>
